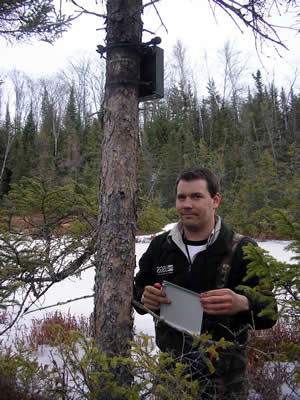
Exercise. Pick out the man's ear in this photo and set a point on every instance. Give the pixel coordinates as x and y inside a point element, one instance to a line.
<point>217,200</point>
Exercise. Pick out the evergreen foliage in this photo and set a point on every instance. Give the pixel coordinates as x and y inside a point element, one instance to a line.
<point>152,218</point>
<point>250,142</point>
<point>84,373</point>
<point>76,369</point>
<point>284,280</point>
<point>282,277</point>
<point>23,19</point>
<point>62,220</point>
<point>259,171</point>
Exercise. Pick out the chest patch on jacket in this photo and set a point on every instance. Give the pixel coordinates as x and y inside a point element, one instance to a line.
<point>164,269</point>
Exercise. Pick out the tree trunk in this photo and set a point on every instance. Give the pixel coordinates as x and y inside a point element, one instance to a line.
<point>115,257</point>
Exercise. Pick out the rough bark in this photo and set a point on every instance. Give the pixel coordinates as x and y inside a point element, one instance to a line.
<point>115,258</point>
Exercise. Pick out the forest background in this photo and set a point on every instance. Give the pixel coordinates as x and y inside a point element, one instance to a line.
<point>50,150</point>
<point>51,129</point>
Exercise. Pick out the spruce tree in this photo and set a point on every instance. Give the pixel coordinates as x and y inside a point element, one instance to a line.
<point>68,158</point>
<point>17,159</point>
<point>294,119</point>
<point>29,145</point>
<point>47,140</point>
<point>6,141</point>
<point>91,155</point>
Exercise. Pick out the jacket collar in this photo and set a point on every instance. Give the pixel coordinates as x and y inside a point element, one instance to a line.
<point>176,234</point>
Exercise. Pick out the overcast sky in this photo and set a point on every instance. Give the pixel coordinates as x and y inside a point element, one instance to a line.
<point>194,24</point>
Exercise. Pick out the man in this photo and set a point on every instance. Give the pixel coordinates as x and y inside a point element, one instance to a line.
<point>193,255</point>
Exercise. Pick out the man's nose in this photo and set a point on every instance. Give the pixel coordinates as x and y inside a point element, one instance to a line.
<point>187,203</point>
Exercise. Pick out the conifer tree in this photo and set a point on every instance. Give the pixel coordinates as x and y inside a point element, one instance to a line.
<point>47,139</point>
<point>294,119</point>
<point>213,102</point>
<point>172,162</point>
<point>68,157</point>
<point>71,119</point>
<point>62,219</point>
<point>23,158</point>
<point>6,141</point>
<point>91,155</point>
<point>282,277</point>
<point>17,160</point>
<point>291,177</point>
<point>29,143</point>
<point>47,115</point>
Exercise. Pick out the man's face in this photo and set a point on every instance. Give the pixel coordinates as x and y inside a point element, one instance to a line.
<point>195,206</point>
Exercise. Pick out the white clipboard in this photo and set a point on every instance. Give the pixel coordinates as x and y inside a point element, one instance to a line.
<point>185,311</point>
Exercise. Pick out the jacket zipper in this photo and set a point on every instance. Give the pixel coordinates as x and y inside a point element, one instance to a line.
<point>189,257</point>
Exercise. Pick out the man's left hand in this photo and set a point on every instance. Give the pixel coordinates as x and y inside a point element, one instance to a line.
<point>223,301</point>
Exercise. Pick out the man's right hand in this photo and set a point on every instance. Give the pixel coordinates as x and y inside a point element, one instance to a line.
<point>153,297</point>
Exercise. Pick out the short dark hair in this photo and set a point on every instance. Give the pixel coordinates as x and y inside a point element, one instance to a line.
<point>191,174</point>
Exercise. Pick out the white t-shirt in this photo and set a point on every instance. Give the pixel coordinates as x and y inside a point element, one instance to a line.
<point>194,247</point>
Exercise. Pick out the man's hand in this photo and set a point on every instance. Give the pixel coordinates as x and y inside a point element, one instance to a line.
<point>153,297</point>
<point>223,302</point>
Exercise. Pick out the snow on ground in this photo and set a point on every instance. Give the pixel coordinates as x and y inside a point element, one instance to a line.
<point>276,249</point>
<point>83,286</point>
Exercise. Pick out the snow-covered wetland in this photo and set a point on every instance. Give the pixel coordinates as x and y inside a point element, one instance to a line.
<point>82,287</point>
<point>73,288</point>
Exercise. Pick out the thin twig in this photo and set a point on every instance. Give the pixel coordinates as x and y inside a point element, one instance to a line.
<point>60,303</point>
<point>18,314</point>
<point>84,11</point>
<point>39,296</point>
<point>150,3</point>
<point>147,30</point>
<point>257,23</point>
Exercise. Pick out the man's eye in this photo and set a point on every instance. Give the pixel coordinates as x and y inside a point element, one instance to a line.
<point>196,196</point>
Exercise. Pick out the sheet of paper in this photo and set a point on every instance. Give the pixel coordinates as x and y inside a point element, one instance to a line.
<point>185,311</point>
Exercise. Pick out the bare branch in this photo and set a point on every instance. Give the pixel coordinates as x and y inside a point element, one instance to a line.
<point>60,303</point>
<point>151,3</point>
<point>38,297</point>
<point>147,30</point>
<point>252,15</point>
<point>227,12</point>
<point>17,315</point>
<point>84,11</point>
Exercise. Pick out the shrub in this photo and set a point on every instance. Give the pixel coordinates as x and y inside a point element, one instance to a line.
<point>79,371</point>
<point>9,390</point>
<point>172,214</point>
<point>153,218</point>
<point>71,372</point>
<point>20,374</point>
<point>76,369</point>
<point>43,332</point>
<point>273,360</point>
